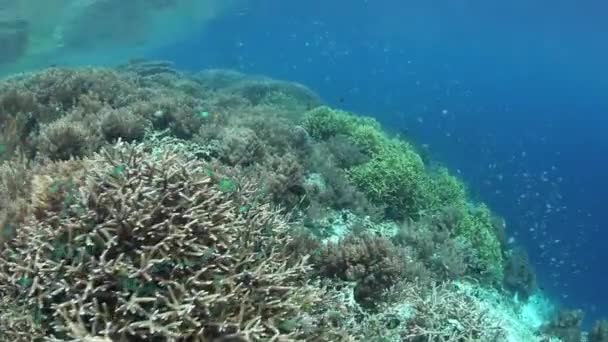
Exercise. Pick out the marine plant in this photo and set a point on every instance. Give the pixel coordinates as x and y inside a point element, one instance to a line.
<point>475,225</point>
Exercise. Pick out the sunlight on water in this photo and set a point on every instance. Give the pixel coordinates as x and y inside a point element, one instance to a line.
<point>39,33</point>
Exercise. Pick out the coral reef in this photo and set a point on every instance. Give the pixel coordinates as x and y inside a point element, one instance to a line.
<point>372,262</point>
<point>148,247</point>
<point>566,325</point>
<point>519,276</point>
<point>432,242</point>
<point>14,192</point>
<point>388,170</point>
<point>146,203</point>
<point>64,139</point>
<point>476,226</point>
<point>445,313</point>
<point>122,124</point>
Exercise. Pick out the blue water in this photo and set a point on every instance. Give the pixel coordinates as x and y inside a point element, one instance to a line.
<point>513,95</point>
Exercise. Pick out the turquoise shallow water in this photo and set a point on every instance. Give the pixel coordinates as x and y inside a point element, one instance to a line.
<point>76,32</point>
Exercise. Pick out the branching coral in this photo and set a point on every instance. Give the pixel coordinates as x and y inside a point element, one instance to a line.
<point>59,89</point>
<point>173,110</point>
<point>415,312</point>
<point>122,124</point>
<point>324,122</point>
<point>395,178</point>
<point>446,314</point>
<point>345,153</point>
<point>282,179</point>
<point>18,101</point>
<point>14,190</point>
<point>64,139</point>
<point>117,104</point>
<point>328,186</point>
<point>166,241</point>
<point>372,262</point>
<point>241,146</point>
<point>433,243</point>
<point>395,175</point>
<point>152,249</point>
<point>476,226</point>
<point>32,189</point>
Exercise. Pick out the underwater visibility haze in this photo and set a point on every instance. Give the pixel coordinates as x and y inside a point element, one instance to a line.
<point>265,170</point>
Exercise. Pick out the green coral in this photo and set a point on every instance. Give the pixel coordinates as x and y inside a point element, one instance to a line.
<point>395,177</point>
<point>476,226</point>
<point>445,189</point>
<point>324,122</point>
<point>369,138</point>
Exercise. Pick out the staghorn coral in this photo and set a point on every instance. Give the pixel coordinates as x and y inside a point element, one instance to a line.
<point>64,139</point>
<point>416,312</point>
<point>28,188</point>
<point>323,122</point>
<point>176,111</point>
<point>54,186</point>
<point>14,190</point>
<point>122,124</point>
<point>30,102</point>
<point>14,101</point>
<point>240,146</point>
<point>15,135</point>
<point>275,128</point>
<point>152,249</point>
<point>448,314</point>
<point>58,89</point>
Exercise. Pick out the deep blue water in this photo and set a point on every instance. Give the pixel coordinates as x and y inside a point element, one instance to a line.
<point>513,95</point>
